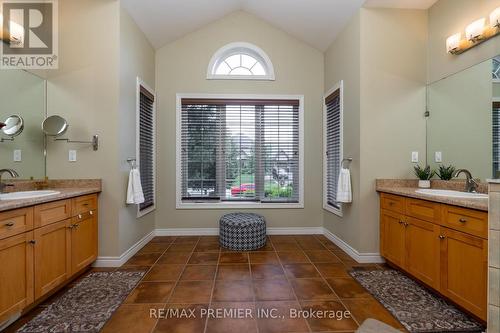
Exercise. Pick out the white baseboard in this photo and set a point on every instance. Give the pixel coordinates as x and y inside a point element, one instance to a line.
<point>118,261</point>
<point>362,258</point>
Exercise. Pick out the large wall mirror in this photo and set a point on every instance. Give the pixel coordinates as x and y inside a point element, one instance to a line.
<point>22,110</point>
<point>463,126</point>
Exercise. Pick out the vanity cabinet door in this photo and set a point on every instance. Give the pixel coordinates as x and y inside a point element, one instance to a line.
<point>52,256</point>
<point>464,270</point>
<point>83,241</point>
<point>16,274</point>
<point>393,237</point>
<point>422,248</point>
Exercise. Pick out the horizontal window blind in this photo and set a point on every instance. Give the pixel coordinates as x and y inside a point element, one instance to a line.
<point>240,150</point>
<point>146,147</point>
<point>333,147</point>
<point>496,139</point>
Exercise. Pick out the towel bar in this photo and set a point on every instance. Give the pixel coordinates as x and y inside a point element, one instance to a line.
<point>349,160</point>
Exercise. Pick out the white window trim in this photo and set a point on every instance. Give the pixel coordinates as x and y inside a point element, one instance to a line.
<point>237,205</point>
<point>140,83</point>
<point>339,85</point>
<point>225,51</point>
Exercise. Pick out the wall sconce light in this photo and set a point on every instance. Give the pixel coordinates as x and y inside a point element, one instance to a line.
<point>475,33</point>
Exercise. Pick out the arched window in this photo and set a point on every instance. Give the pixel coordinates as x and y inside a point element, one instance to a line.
<point>240,61</point>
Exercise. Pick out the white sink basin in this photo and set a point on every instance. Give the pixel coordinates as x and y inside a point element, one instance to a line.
<point>453,194</point>
<point>26,195</point>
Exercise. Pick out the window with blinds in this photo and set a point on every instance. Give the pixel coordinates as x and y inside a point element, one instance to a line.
<point>239,150</point>
<point>496,139</point>
<point>332,147</point>
<point>146,147</point>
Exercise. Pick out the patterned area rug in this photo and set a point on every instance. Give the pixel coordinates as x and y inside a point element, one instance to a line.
<point>416,308</point>
<point>87,306</point>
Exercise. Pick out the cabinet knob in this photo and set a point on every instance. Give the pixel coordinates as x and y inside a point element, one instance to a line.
<point>91,213</point>
<point>441,237</point>
<point>462,220</point>
<point>401,222</point>
<point>80,216</point>
<point>9,224</point>
<point>32,241</point>
<point>406,224</point>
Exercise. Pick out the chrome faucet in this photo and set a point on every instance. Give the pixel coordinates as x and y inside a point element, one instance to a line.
<point>12,173</point>
<point>470,184</point>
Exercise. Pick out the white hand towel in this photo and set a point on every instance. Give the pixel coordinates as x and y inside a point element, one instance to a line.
<point>344,191</point>
<point>134,190</point>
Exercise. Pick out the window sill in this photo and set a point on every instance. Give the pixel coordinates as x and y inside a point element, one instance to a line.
<point>239,205</point>
<point>333,210</point>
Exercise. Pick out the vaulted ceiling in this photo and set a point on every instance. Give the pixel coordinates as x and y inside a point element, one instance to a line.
<point>316,22</point>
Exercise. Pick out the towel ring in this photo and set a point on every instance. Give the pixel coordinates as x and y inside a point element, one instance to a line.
<point>348,160</point>
<point>132,162</point>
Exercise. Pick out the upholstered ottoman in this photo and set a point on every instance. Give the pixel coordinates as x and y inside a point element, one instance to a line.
<point>242,231</point>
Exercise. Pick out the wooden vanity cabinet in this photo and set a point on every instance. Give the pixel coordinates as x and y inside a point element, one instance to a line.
<point>443,246</point>
<point>58,246</point>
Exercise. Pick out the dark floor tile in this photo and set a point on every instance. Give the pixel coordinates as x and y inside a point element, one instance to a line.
<point>232,291</point>
<point>182,247</point>
<point>233,272</point>
<point>163,239</point>
<point>207,247</point>
<point>292,257</point>
<point>312,289</point>
<point>233,258</point>
<point>275,239</point>
<point>186,239</point>
<point>192,292</point>
<point>347,288</point>
<point>174,258</point>
<point>164,273</point>
<point>299,271</point>
<point>345,258</point>
<point>263,258</point>
<point>266,248</point>
<point>362,309</point>
<point>332,270</point>
<point>183,324</point>
<point>199,272</point>
<point>230,324</point>
<point>154,247</point>
<point>151,292</point>
<point>273,290</point>
<point>143,259</point>
<point>322,256</point>
<point>209,239</point>
<point>287,246</point>
<point>282,321</point>
<point>311,245</point>
<point>200,258</point>
<point>338,318</point>
<point>132,318</point>
<point>322,239</point>
<point>265,271</point>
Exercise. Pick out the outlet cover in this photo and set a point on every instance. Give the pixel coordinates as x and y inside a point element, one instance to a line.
<point>414,156</point>
<point>17,155</point>
<point>438,157</point>
<point>72,156</point>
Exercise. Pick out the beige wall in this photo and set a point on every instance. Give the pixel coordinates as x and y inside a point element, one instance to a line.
<point>181,68</point>
<point>460,120</point>
<point>384,111</point>
<point>23,94</point>
<point>137,59</point>
<point>448,17</point>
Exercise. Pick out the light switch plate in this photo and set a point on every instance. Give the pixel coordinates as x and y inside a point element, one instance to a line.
<point>17,155</point>
<point>414,156</point>
<point>72,156</point>
<point>438,157</point>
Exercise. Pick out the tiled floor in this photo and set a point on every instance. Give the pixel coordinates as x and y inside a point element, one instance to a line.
<point>305,272</point>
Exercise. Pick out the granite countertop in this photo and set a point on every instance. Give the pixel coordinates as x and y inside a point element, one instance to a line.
<point>407,189</point>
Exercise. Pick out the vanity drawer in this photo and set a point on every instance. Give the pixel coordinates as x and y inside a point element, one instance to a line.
<point>470,221</point>
<point>392,203</point>
<point>84,204</point>
<point>16,221</point>
<point>423,210</point>
<point>52,212</point>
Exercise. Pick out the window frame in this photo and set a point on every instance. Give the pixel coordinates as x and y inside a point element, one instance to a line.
<point>255,52</point>
<point>236,204</point>
<point>140,83</point>
<point>338,86</point>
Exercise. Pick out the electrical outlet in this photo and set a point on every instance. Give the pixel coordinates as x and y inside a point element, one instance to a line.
<point>438,157</point>
<point>414,156</point>
<point>72,156</point>
<point>17,155</point>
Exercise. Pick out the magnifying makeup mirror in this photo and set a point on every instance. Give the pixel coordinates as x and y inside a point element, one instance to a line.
<point>13,126</point>
<point>56,126</point>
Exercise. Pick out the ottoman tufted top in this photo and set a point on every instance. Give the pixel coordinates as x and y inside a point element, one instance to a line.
<point>241,219</point>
